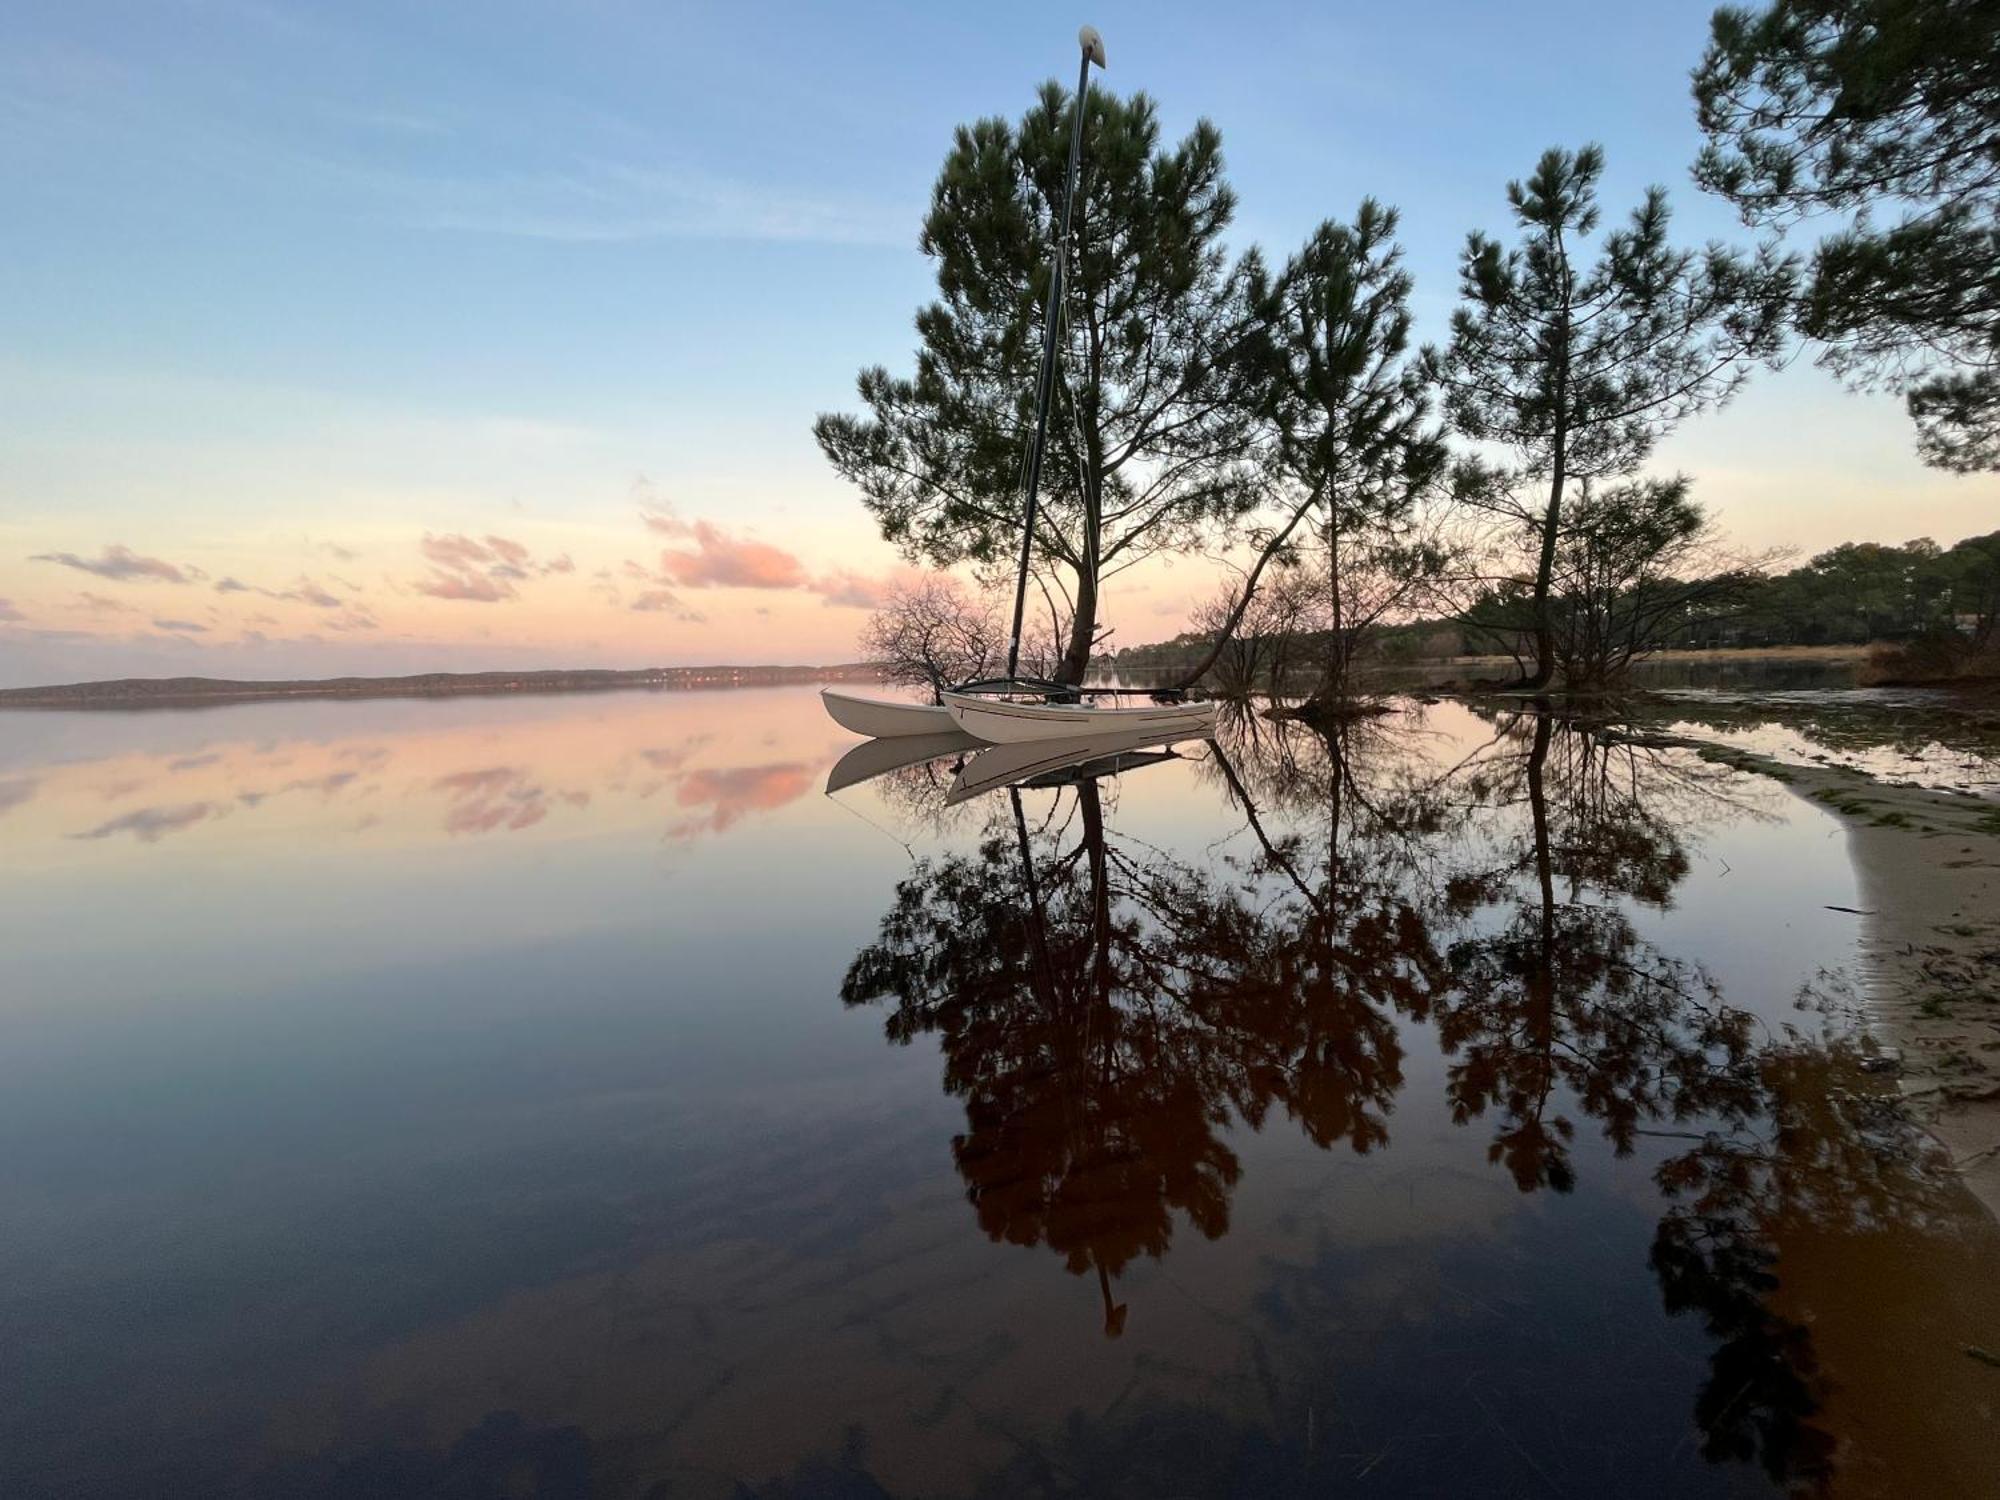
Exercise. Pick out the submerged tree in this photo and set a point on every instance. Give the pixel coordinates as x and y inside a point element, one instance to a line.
<point>1581,368</point>
<point>1149,437</point>
<point>1847,107</point>
<point>1637,562</point>
<point>1348,410</point>
<point>1258,631</point>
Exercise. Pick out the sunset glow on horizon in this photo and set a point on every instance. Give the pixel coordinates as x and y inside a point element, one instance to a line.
<point>348,343</point>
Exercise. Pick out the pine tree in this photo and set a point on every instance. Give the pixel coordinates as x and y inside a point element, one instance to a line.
<point>1351,407</point>
<point>1341,402</point>
<point>1581,368</point>
<point>1149,438</point>
<point>1818,107</point>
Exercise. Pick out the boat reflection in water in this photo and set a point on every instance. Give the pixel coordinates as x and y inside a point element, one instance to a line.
<point>1108,1013</point>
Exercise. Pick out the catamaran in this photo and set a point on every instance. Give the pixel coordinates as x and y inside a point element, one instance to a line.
<point>1014,708</point>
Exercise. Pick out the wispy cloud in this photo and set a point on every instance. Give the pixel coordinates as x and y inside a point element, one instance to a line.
<point>481,570</point>
<point>9,615</point>
<point>667,602</point>
<point>151,824</point>
<point>850,590</point>
<point>472,588</point>
<point>306,590</point>
<point>181,627</point>
<point>121,563</point>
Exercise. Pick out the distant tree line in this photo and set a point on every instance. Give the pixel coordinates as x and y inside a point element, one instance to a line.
<point>1858,593</point>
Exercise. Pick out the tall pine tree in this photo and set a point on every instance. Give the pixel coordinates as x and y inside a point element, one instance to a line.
<point>1148,442</point>
<point>1342,403</point>
<point>1581,366</point>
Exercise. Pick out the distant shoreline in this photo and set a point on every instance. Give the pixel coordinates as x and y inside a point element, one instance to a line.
<point>196,692</point>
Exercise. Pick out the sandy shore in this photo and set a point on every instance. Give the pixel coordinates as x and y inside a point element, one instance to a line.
<point>1929,866</point>
<point>1929,869</point>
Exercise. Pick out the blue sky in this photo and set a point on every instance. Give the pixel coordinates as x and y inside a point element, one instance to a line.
<point>281,283</point>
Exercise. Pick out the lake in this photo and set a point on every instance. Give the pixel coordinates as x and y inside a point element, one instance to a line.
<point>568,1097</point>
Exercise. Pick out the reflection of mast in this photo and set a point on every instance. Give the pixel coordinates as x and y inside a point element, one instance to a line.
<point>1079,1124</point>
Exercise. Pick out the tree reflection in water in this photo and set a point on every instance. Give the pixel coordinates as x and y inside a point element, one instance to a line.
<point>1108,1012</point>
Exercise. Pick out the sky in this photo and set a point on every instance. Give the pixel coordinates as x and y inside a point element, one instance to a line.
<point>382,338</point>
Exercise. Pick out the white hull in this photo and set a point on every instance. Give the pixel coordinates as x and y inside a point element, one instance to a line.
<point>1000,722</point>
<point>885,718</point>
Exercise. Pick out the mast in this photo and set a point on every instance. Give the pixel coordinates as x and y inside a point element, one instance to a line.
<point>1092,47</point>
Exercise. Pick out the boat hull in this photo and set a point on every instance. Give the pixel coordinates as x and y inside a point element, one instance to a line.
<point>1000,722</point>
<point>885,718</point>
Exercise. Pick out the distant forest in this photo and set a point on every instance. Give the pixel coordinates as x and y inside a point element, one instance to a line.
<point>1855,594</point>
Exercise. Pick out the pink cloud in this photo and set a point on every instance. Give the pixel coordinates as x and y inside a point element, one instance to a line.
<point>508,551</point>
<point>456,551</point>
<point>847,590</point>
<point>121,563</point>
<point>476,588</point>
<point>723,561</point>
<point>482,570</point>
<point>492,798</point>
<point>729,794</point>
<point>9,615</point>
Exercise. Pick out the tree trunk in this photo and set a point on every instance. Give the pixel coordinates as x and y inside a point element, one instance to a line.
<point>1082,631</point>
<point>1545,635</point>
<point>1083,627</point>
<point>1228,630</point>
<point>1333,680</point>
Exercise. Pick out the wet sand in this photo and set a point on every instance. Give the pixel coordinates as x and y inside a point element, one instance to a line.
<point>1929,866</point>
<point>1929,869</point>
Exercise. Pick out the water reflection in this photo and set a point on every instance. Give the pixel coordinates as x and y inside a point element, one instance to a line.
<point>459,1106</point>
<point>1108,1013</point>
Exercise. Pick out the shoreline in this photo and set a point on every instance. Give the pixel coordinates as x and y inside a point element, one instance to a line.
<point>1928,867</point>
<point>205,692</point>
<point>1929,870</point>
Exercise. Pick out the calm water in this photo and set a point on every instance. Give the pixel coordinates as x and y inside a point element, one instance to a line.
<point>567,1097</point>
